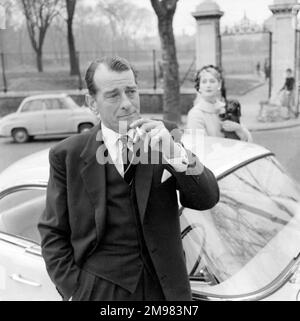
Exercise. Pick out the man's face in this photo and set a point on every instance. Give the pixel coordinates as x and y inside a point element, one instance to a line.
<point>117,98</point>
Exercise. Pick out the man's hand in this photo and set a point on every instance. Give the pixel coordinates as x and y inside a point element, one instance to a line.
<point>155,134</point>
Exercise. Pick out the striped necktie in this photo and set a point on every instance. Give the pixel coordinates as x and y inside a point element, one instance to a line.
<point>127,157</point>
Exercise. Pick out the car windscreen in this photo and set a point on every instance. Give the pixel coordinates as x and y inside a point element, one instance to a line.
<point>250,236</point>
<point>33,106</point>
<point>70,102</point>
<point>56,104</point>
<point>19,212</point>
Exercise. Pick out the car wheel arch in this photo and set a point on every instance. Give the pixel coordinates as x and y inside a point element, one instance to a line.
<point>84,126</point>
<point>20,129</point>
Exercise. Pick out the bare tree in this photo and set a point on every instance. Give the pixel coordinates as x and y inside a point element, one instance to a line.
<point>125,19</point>
<point>66,16</point>
<point>39,15</point>
<point>57,36</point>
<point>111,10</point>
<point>165,10</point>
<point>74,67</point>
<point>90,41</point>
<point>13,13</point>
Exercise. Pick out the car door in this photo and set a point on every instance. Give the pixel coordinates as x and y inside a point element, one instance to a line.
<point>23,275</point>
<point>32,117</point>
<point>58,116</point>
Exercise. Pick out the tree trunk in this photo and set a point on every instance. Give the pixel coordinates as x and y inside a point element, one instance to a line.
<point>171,98</point>
<point>74,68</point>
<point>39,60</point>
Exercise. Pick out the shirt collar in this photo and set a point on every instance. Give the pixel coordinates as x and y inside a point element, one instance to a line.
<point>110,137</point>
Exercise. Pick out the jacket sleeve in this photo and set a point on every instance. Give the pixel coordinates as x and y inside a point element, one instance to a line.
<point>55,232</point>
<point>197,186</point>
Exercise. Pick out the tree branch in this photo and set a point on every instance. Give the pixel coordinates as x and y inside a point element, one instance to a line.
<point>164,8</point>
<point>158,8</point>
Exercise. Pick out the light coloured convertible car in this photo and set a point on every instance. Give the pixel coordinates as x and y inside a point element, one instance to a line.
<point>245,248</point>
<point>46,115</point>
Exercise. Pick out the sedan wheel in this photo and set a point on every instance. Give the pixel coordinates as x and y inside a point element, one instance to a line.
<point>20,135</point>
<point>84,128</point>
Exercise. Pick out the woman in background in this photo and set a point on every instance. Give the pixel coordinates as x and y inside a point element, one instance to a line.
<point>209,105</point>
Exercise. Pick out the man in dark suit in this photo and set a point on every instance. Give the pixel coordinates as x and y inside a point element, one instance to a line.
<point>111,229</point>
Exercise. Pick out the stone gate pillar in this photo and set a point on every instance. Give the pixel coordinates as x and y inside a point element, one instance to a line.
<point>208,38</point>
<point>283,41</point>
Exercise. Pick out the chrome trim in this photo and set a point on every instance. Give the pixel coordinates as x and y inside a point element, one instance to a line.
<point>34,249</point>
<point>242,164</point>
<point>29,246</point>
<point>264,292</point>
<point>19,278</point>
<point>22,188</point>
<point>12,239</point>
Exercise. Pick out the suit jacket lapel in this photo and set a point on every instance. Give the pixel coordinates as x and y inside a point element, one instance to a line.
<point>95,155</point>
<point>93,175</point>
<point>143,181</point>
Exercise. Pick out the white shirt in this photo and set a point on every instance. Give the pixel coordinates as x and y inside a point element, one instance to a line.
<point>114,146</point>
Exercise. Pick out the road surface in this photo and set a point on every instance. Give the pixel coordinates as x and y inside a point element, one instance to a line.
<point>285,143</point>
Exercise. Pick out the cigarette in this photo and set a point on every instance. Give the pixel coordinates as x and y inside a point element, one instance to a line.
<point>138,133</point>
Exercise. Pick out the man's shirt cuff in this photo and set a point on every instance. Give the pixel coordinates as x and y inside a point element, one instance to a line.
<point>179,164</point>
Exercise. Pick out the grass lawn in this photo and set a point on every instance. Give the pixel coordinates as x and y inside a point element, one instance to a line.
<point>31,81</point>
<point>240,86</point>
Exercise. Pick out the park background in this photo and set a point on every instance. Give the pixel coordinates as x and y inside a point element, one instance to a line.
<point>129,29</point>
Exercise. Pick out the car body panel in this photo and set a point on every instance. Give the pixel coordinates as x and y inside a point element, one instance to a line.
<point>63,120</point>
<point>36,127</point>
<point>59,121</point>
<point>34,168</point>
<point>24,120</point>
<point>25,278</point>
<point>222,156</point>
<point>26,171</point>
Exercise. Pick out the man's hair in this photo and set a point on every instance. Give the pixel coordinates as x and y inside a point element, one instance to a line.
<point>115,63</point>
<point>215,71</point>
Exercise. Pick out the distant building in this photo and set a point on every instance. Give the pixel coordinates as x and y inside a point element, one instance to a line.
<point>245,46</point>
<point>245,25</point>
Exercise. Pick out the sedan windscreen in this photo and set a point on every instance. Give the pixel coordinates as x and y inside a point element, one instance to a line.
<point>20,211</point>
<point>32,106</point>
<point>250,236</point>
<point>68,101</point>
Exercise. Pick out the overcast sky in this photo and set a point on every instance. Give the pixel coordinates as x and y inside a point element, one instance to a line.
<point>256,10</point>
